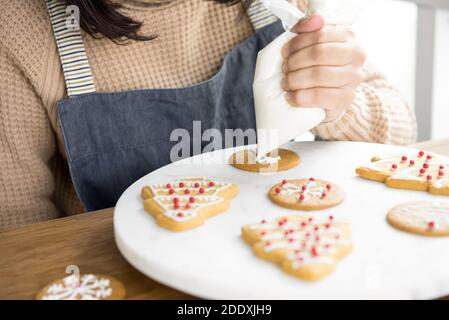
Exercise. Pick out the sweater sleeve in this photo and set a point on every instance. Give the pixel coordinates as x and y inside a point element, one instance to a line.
<point>378,114</point>
<point>27,145</point>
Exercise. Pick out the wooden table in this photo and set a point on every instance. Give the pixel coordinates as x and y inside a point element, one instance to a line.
<point>34,255</point>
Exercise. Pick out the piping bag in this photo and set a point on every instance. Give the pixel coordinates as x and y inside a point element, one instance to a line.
<point>277,121</point>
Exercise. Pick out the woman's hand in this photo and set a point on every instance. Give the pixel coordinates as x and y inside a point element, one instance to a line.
<point>322,66</point>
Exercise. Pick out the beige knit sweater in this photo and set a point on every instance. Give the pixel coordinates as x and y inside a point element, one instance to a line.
<point>193,36</point>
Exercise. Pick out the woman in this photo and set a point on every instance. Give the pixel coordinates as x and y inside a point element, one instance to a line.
<point>112,129</point>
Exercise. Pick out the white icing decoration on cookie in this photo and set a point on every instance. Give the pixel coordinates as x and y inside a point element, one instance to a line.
<point>166,200</point>
<point>424,214</point>
<point>313,189</point>
<point>407,174</point>
<point>268,160</point>
<point>312,242</point>
<point>264,160</point>
<point>90,288</point>
<point>404,170</point>
<point>441,183</point>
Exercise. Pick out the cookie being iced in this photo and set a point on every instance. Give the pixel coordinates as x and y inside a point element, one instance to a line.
<point>83,287</point>
<point>427,218</point>
<point>418,170</point>
<point>279,160</point>
<point>304,247</point>
<point>186,203</point>
<point>306,194</point>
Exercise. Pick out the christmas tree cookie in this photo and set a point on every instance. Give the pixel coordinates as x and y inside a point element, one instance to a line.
<point>305,247</point>
<point>186,203</point>
<point>418,170</point>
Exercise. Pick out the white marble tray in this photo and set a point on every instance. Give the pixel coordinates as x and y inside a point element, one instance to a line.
<point>213,262</point>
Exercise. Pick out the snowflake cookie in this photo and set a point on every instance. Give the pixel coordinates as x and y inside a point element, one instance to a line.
<point>83,287</point>
<point>306,194</point>
<point>427,218</point>
<point>305,247</point>
<point>417,170</point>
<point>186,203</point>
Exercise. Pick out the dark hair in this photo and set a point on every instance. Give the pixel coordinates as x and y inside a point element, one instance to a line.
<point>102,18</point>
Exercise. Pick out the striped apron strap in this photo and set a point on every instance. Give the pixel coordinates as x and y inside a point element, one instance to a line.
<point>75,66</point>
<point>259,15</point>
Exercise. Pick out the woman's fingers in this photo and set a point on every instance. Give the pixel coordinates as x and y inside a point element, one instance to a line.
<point>333,100</point>
<point>321,97</point>
<point>323,77</point>
<point>323,66</point>
<point>329,33</point>
<point>325,54</point>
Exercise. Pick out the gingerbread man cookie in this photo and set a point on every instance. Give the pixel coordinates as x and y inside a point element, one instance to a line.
<point>186,203</point>
<point>306,194</point>
<point>422,171</point>
<point>83,287</point>
<point>427,218</point>
<point>303,246</point>
<point>279,160</point>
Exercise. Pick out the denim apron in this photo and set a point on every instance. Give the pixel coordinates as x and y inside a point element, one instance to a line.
<point>113,139</point>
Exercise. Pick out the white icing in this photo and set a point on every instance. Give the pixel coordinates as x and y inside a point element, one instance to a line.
<point>309,259</point>
<point>90,287</point>
<point>411,173</point>
<point>441,182</point>
<point>420,214</point>
<point>298,234</point>
<point>305,257</point>
<point>283,244</point>
<point>313,189</point>
<point>166,201</point>
<point>268,160</point>
<point>264,160</point>
<point>200,202</point>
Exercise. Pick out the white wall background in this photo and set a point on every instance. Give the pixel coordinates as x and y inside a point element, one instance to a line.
<point>387,30</point>
<point>440,115</point>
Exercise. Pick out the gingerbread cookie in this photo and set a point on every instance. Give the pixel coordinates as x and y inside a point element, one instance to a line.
<point>427,218</point>
<point>414,171</point>
<point>279,160</point>
<point>303,246</point>
<point>186,203</point>
<point>84,287</point>
<point>306,194</point>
